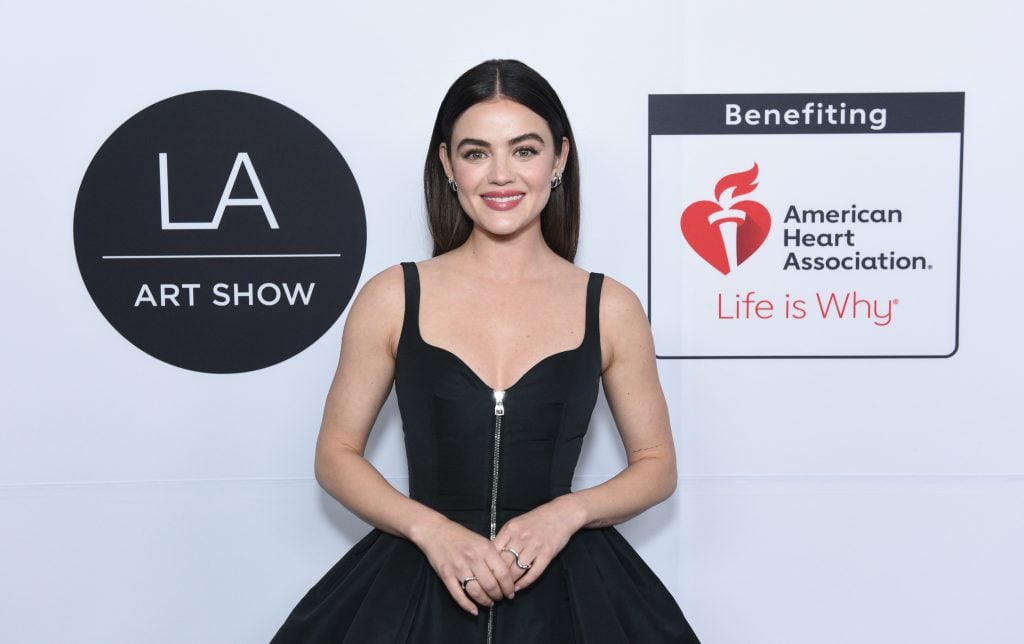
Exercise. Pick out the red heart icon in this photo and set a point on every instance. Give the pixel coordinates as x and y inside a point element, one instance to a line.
<point>703,233</point>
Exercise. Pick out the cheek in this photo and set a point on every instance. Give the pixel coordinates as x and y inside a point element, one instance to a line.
<point>540,177</point>
<point>466,174</point>
<point>543,170</point>
<point>463,197</point>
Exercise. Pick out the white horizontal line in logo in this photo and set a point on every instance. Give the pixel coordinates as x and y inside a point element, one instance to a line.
<point>269,256</point>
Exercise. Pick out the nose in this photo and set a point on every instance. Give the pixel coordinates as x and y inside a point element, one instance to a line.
<point>501,170</point>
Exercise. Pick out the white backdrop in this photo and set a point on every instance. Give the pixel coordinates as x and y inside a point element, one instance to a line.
<point>844,501</point>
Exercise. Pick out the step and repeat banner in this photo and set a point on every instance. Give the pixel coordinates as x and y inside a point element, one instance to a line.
<point>815,205</point>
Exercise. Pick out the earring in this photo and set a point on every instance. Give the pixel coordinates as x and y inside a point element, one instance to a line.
<point>451,184</point>
<point>557,181</point>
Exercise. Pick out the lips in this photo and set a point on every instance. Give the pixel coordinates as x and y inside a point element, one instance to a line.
<point>502,200</point>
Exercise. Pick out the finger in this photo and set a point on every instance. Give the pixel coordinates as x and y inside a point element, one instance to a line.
<point>509,535</point>
<point>537,567</point>
<point>486,581</point>
<point>454,587</point>
<point>475,591</point>
<point>509,559</point>
<point>513,557</point>
<point>502,575</point>
<point>525,557</point>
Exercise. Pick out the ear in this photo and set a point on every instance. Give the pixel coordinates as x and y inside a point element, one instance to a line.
<point>446,162</point>
<point>563,156</point>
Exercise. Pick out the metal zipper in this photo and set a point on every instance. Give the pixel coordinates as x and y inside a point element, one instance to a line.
<point>499,413</point>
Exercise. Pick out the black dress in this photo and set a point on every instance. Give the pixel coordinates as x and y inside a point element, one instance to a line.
<point>480,462</point>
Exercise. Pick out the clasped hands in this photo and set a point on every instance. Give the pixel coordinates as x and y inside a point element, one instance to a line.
<point>480,572</point>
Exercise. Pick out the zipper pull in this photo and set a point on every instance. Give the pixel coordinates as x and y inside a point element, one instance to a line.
<point>499,404</point>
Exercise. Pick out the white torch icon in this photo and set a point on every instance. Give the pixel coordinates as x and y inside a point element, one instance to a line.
<point>728,220</point>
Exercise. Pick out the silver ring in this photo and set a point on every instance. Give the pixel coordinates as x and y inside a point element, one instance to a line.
<point>515,554</point>
<point>466,581</point>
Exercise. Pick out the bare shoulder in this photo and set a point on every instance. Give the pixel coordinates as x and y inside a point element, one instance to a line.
<point>619,305</point>
<point>624,325</point>
<point>378,309</point>
<point>382,295</point>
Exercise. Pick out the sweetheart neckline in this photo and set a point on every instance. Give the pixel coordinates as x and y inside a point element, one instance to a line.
<point>465,365</point>
<point>522,377</point>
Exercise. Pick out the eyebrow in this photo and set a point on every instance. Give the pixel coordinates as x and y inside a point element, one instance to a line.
<point>529,136</point>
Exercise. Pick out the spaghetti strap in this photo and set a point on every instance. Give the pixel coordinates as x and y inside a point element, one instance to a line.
<point>411,321</point>
<point>592,332</point>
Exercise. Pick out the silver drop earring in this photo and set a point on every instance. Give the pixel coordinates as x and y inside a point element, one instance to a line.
<point>557,181</point>
<point>451,184</point>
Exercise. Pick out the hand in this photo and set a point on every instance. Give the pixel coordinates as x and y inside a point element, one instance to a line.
<point>537,536</point>
<point>455,553</point>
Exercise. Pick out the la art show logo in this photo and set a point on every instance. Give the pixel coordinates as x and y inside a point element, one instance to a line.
<point>219,231</point>
<point>828,232</point>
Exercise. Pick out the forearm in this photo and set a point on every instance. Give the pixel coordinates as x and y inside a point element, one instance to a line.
<point>641,485</point>
<point>356,484</point>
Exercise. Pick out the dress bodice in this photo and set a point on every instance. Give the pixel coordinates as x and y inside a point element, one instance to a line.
<point>457,436</point>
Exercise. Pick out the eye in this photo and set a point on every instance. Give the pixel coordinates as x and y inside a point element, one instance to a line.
<point>473,154</point>
<point>526,152</point>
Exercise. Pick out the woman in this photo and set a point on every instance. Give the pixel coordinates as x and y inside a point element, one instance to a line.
<point>496,347</point>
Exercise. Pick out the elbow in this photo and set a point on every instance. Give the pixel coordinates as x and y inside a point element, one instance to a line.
<point>330,462</point>
<point>671,481</point>
<point>323,465</point>
<point>659,472</point>
<point>668,478</point>
<point>319,469</point>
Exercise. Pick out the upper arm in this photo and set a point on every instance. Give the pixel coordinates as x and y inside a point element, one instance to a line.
<point>366,366</point>
<point>630,375</point>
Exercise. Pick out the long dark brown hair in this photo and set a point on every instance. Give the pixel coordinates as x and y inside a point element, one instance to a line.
<point>511,79</point>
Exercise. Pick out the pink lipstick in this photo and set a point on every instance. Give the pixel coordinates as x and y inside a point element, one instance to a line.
<point>503,199</point>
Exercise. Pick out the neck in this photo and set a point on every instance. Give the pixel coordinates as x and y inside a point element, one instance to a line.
<point>507,259</point>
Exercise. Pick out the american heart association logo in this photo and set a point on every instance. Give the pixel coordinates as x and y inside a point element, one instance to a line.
<point>726,232</point>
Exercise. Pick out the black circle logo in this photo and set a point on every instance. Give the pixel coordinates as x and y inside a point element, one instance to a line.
<point>220,231</point>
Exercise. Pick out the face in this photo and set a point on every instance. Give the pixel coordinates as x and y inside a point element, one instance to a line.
<point>503,159</point>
